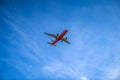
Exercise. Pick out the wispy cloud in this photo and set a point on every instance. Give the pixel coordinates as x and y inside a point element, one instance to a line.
<point>112,73</point>
<point>92,54</point>
<point>28,56</point>
<point>62,70</point>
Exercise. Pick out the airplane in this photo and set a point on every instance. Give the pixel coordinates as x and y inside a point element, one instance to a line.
<point>58,38</point>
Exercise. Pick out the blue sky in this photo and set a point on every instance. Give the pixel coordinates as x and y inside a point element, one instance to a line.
<point>94,33</point>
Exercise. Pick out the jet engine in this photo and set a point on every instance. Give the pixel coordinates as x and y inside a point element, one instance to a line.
<point>57,34</point>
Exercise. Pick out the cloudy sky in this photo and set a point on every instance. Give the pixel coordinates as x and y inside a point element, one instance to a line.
<point>94,33</point>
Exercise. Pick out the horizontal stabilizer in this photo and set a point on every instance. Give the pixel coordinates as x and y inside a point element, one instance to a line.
<point>50,43</point>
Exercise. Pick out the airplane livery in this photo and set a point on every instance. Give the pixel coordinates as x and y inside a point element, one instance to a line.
<point>58,38</point>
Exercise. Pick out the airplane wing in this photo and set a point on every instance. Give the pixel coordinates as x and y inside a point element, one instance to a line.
<point>65,40</point>
<point>52,35</point>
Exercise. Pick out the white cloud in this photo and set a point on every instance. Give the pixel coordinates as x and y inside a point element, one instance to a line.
<point>83,78</point>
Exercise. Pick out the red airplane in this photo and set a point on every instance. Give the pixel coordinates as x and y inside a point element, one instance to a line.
<point>58,38</point>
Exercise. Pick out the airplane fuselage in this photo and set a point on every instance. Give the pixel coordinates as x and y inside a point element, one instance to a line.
<point>59,37</point>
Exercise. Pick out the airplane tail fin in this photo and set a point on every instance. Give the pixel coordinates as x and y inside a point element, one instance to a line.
<point>51,43</point>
